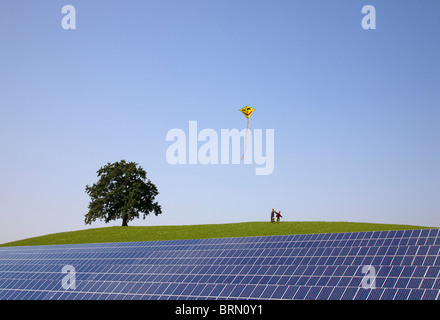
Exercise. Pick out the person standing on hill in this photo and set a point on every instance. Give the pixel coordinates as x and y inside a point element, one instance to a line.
<point>272,215</point>
<point>279,216</point>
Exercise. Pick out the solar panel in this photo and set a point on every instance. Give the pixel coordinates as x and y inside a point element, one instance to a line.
<point>386,265</point>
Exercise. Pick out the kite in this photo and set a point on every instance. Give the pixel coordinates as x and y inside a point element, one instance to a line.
<point>247,111</point>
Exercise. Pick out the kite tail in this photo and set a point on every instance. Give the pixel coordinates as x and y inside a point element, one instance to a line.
<point>245,140</point>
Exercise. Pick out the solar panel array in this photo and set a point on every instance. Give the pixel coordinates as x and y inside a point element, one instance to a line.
<point>391,265</point>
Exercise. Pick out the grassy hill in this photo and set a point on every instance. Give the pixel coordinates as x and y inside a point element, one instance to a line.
<point>246,229</point>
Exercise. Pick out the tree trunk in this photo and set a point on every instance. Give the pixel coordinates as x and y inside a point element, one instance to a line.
<point>124,222</point>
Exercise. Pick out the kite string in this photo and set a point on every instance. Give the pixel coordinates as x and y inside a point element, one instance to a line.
<point>245,140</point>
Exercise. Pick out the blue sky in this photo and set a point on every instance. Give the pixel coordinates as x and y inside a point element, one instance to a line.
<point>355,112</point>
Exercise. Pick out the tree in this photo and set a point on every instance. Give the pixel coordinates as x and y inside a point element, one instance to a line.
<point>122,192</point>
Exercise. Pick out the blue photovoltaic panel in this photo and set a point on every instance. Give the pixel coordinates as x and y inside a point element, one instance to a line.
<point>390,265</point>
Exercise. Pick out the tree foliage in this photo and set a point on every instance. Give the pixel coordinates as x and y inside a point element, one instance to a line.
<point>122,192</point>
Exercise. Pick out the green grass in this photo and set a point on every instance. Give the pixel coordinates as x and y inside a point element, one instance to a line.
<point>246,229</point>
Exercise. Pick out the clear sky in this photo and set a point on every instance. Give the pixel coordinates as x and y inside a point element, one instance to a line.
<point>355,112</point>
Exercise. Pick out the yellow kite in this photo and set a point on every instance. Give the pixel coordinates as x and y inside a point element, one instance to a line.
<point>247,111</point>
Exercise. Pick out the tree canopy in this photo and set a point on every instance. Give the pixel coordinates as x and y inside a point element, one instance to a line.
<point>122,192</point>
